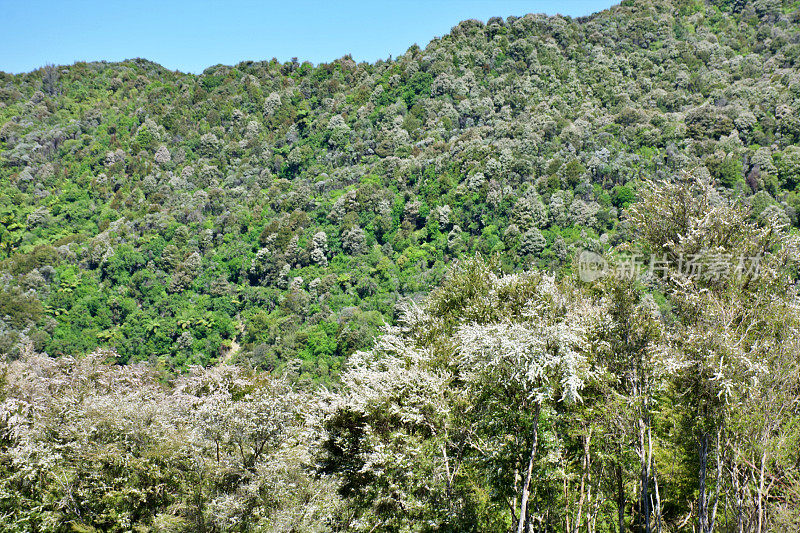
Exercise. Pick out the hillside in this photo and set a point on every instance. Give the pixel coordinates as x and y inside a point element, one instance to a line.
<point>290,208</point>
<point>360,297</point>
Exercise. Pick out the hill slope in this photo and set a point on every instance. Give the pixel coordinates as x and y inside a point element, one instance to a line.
<point>289,207</point>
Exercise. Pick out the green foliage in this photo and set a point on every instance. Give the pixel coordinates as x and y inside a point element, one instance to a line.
<point>502,400</point>
<point>219,450</point>
<point>10,233</point>
<point>276,213</point>
<point>19,309</point>
<point>622,196</point>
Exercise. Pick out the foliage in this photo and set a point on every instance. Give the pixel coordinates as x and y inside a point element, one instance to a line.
<point>227,215</point>
<point>88,446</point>
<point>286,297</point>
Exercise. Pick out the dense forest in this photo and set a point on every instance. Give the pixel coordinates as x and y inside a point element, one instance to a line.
<point>346,297</point>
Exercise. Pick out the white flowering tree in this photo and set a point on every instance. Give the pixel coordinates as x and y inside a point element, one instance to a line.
<point>733,330</point>
<point>535,358</point>
<point>389,435</point>
<point>453,397</point>
<point>90,446</point>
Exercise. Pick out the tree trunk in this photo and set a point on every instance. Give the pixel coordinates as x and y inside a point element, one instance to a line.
<point>584,474</point>
<point>717,480</point>
<point>658,501</point>
<point>523,506</point>
<point>739,501</point>
<point>644,506</point>
<point>702,504</point>
<point>620,500</point>
<point>761,492</point>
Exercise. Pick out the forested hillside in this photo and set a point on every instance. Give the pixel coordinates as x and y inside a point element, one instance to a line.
<point>500,403</point>
<point>368,297</point>
<point>271,213</point>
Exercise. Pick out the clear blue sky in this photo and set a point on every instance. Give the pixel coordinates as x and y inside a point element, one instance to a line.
<point>193,35</point>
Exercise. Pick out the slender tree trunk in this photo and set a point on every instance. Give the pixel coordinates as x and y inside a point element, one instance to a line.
<point>596,499</point>
<point>645,456</point>
<point>589,481</point>
<point>566,502</point>
<point>761,491</point>
<point>658,501</point>
<point>653,506</point>
<point>702,504</point>
<point>579,516</point>
<point>738,495</point>
<point>717,480</point>
<point>620,500</point>
<point>523,506</point>
<point>517,480</point>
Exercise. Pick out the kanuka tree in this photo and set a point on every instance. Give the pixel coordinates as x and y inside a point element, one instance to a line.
<point>87,445</point>
<point>629,348</point>
<point>534,358</point>
<point>455,396</point>
<point>732,330</point>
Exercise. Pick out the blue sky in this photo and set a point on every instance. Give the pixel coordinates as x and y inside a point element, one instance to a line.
<point>193,35</point>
